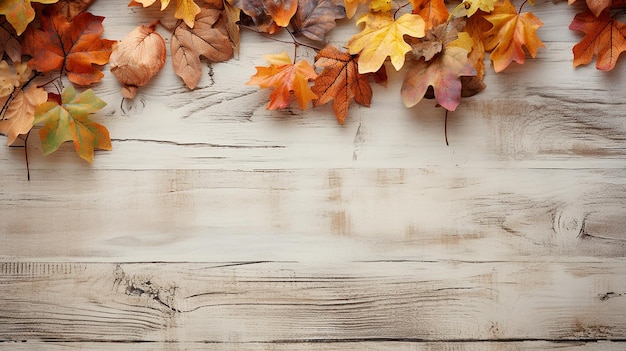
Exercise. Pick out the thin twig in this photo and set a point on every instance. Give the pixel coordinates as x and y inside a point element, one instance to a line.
<point>445,128</point>
<point>26,156</point>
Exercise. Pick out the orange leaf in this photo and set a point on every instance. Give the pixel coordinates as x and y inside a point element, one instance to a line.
<point>510,33</point>
<point>209,38</point>
<point>604,36</point>
<point>351,6</point>
<point>267,14</point>
<point>73,47</point>
<point>434,12</point>
<point>187,10</point>
<point>597,6</point>
<point>284,76</point>
<point>135,60</point>
<point>340,81</point>
<point>71,8</point>
<point>442,73</point>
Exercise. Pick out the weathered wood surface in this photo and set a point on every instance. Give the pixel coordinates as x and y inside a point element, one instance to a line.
<point>284,231</point>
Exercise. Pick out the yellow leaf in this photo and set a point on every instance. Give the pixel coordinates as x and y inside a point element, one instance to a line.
<point>383,37</point>
<point>20,12</point>
<point>185,9</point>
<point>475,5</point>
<point>351,6</point>
<point>380,5</point>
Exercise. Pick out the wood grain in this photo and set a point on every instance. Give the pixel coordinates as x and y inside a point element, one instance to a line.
<point>215,224</point>
<point>289,302</point>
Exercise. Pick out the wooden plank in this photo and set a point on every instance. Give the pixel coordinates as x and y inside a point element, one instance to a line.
<point>311,215</point>
<point>338,346</point>
<point>290,302</point>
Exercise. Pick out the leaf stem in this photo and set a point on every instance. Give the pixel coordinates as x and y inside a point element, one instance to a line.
<point>399,8</point>
<point>26,156</point>
<point>521,6</point>
<point>445,128</point>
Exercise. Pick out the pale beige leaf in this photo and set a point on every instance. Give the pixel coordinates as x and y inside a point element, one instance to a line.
<point>20,114</point>
<point>8,80</point>
<point>137,58</point>
<point>208,38</point>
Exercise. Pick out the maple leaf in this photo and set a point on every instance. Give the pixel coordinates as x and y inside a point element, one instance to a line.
<point>268,14</point>
<point>383,37</point>
<point>20,112</point>
<point>604,36</point>
<point>596,6</point>
<point>209,38</point>
<point>509,34</point>
<point>340,81</point>
<point>284,77</point>
<point>70,121</point>
<point>314,18</point>
<point>434,12</point>
<point>20,13</point>
<point>442,73</point>
<point>73,47</point>
<point>187,10</point>
<point>71,8</point>
<point>139,56</point>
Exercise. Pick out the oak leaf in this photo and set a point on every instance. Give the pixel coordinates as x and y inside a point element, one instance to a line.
<point>19,13</point>
<point>382,37</point>
<point>284,77</point>
<point>340,81</point>
<point>434,12</point>
<point>442,73</point>
<point>70,121</point>
<point>231,15</point>
<point>208,38</point>
<point>268,15</point>
<point>605,37</point>
<point>187,10</point>
<point>20,113</point>
<point>137,58</point>
<point>73,47</point>
<point>511,32</point>
<point>314,18</point>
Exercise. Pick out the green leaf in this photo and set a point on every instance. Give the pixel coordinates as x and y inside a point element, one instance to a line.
<point>70,121</point>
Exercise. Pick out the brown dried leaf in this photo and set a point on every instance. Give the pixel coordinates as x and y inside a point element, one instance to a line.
<point>314,18</point>
<point>10,45</point>
<point>208,38</point>
<point>137,58</point>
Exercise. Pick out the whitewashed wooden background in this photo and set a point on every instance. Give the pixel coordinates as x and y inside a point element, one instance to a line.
<point>217,225</point>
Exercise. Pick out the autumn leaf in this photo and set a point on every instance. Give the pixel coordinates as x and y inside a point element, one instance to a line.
<point>436,38</point>
<point>475,5</point>
<point>340,81</point>
<point>442,73</point>
<point>10,45</point>
<point>71,8</point>
<point>70,121</point>
<point>187,10</point>
<point>509,34</point>
<point>380,5</point>
<point>283,76</point>
<point>351,6</point>
<point>314,18</point>
<point>476,26</point>
<point>434,12</point>
<point>209,38</point>
<point>604,36</point>
<point>20,13</point>
<point>232,15</point>
<point>596,6</point>
<point>137,58</point>
<point>73,47</point>
<point>268,14</point>
<point>13,78</point>
<point>20,112</point>
<point>383,37</point>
